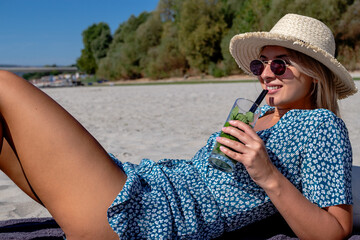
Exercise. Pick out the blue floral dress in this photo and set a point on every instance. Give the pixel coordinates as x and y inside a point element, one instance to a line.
<point>188,199</point>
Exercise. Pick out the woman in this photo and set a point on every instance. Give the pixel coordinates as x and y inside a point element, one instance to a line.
<point>297,162</point>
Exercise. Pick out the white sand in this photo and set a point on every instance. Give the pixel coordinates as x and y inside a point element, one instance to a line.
<point>158,121</point>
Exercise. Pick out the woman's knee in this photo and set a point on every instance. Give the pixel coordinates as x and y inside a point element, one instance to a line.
<point>12,84</point>
<point>8,77</point>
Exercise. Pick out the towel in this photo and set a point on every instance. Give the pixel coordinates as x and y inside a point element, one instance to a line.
<point>30,228</point>
<point>273,228</point>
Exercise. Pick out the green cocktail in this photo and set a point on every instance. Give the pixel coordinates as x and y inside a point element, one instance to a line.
<point>240,111</point>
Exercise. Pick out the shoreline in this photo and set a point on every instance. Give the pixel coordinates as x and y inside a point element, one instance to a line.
<point>196,80</point>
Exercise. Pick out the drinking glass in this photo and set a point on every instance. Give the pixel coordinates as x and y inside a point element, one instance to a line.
<point>243,110</point>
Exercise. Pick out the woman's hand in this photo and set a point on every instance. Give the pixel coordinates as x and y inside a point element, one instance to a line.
<point>250,151</point>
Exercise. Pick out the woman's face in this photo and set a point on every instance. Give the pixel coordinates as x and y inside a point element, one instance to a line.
<point>288,91</point>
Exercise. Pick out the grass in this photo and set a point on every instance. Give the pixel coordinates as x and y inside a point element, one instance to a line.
<point>89,80</point>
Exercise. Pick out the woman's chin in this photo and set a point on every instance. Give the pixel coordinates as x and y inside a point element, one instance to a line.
<point>270,101</point>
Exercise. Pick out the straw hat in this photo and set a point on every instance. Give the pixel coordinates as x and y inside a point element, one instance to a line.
<point>303,34</point>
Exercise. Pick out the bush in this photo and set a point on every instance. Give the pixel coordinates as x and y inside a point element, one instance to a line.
<point>215,70</point>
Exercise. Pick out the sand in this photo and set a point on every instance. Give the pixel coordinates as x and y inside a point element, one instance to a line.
<point>153,121</point>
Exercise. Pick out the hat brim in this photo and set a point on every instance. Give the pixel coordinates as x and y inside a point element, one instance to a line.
<point>247,46</point>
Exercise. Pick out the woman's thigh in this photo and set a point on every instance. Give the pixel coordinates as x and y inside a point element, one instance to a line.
<point>70,172</point>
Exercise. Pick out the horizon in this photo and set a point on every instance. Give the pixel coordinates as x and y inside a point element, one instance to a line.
<point>25,66</point>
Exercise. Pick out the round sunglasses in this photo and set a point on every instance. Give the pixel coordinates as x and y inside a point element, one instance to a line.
<point>277,66</point>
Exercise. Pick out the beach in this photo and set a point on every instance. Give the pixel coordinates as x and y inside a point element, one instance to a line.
<point>153,121</point>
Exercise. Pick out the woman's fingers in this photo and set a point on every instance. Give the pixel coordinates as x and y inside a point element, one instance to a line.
<point>245,128</point>
<point>230,153</point>
<point>248,147</point>
<point>241,131</point>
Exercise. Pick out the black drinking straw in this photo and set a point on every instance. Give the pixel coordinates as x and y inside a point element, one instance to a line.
<point>258,101</point>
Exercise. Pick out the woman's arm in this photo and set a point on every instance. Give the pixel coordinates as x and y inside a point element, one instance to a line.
<point>306,219</point>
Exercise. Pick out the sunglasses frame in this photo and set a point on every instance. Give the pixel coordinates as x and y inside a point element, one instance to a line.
<point>272,67</point>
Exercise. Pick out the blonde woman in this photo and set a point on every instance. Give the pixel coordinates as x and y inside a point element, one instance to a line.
<point>296,161</point>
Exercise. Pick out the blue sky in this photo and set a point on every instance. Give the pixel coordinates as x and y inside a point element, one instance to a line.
<point>45,32</point>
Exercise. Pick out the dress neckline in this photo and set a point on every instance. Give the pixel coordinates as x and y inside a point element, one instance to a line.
<point>266,109</point>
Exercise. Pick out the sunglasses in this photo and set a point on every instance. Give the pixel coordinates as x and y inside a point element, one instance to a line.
<point>277,66</point>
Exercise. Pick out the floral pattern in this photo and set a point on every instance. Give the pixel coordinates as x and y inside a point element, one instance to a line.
<point>188,199</point>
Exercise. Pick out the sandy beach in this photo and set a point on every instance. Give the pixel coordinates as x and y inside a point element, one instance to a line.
<point>153,121</point>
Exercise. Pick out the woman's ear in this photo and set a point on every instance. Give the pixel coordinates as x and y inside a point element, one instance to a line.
<point>314,86</point>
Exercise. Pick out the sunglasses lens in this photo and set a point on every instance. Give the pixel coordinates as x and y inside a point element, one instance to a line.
<point>256,67</point>
<point>278,67</point>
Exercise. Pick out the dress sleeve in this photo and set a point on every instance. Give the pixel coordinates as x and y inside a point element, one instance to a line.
<point>327,163</point>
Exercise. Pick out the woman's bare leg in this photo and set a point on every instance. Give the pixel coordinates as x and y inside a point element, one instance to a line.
<point>11,166</point>
<point>70,172</point>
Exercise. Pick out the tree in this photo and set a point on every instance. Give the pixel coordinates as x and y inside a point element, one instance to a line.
<point>165,59</point>
<point>169,10</point>
<point>148,35</point>
<point>348,37</point>
<point>96,40</point>
<point>249,16</point>
<point>86,62</point>
<point>123,58</point>
<point>200,30</point>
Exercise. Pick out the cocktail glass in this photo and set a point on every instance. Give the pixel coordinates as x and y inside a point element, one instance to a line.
<point>243,110</point>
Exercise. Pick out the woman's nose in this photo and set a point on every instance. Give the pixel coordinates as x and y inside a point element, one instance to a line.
<point>267,75</point>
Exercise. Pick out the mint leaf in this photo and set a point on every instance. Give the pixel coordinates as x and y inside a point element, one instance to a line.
<point>250,116</point>
<point>234,112</point>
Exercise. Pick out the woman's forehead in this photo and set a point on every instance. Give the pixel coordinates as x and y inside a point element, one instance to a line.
<point>273,51</point>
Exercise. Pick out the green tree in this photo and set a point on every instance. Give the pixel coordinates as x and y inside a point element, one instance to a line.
<point>100,44</point>
<point>348,37</point>
<point>248,17</point>
<point>96,40</point>
<point>200,30</point>
<point>148,36</point>
<point>169,10</point>
<point>149,33</point>
<point>123,59</point>
<point>86,62</point>
<point>348,27</point>
<point>166,60</point>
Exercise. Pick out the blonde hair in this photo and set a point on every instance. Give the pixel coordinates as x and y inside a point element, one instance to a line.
<point>324,92</point>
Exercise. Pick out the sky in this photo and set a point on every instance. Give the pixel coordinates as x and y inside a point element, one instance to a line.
<point>46,32</point>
